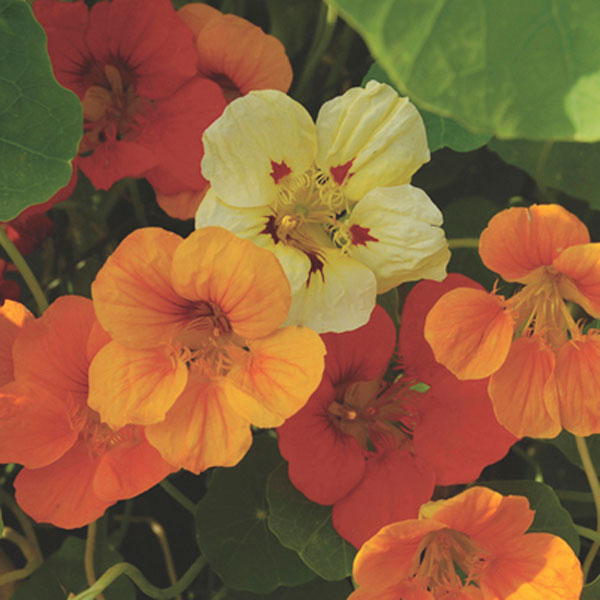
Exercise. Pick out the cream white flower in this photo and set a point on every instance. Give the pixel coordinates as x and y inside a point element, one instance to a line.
<point>332,200</point>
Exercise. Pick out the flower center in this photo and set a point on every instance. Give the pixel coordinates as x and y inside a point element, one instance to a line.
<point>542,311</point>
<point>111,108</point>
<point>208,345</point>
<point>447,561</point>
<point>378,415</point>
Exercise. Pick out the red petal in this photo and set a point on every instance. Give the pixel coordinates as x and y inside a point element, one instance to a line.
<point>325,464</point>
<point>394,487</point>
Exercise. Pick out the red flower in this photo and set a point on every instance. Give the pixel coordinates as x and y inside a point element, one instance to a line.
<point>133,65</point>
<point>375,450</point>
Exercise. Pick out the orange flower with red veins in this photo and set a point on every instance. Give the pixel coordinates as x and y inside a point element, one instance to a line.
<point>74,466</point>
<point>471,547</point>
<point>544,369</point>
<point>198,355</point>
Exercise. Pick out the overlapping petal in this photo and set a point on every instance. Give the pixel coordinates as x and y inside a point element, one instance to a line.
<point>201,430</point>
<point>12,317</point>
<point>524,392</point>
<point>379,133</point>
<point>396,232</point>
<point>470,332</point>
<point>243,160</point>
<point>518,241</point>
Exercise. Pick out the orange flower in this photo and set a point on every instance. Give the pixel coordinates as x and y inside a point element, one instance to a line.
<point>13,316</point>
<point>197,354</point>
<point>240,57</point>
<point>471,547</point>
<point>545,372</point>
<point>75,466</point>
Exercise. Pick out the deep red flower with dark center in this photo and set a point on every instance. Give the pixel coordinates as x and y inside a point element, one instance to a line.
<point>133,65</point>
<point>375,449</point>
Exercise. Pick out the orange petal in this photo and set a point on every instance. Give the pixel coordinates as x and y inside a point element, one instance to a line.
<point>242,57</point>
<point>537,565</point>
<point>133,296</point>
<point>35,428</point>
<point>51,352</point>
<point>486,516</point>
<point>246,282</point>
<point>389,556</point>
<point>62,493</point>
<point>201,430</point>
<point>134,386</point>
<point>183,205</point>
<point>523,391</point>
<point>280,373</point>
<point>578,379</point>
<point>517,241</point>
<point>469,332</point>
<point>197,14</point>
<point>581,264</point>
<point>128,470</point>
<point>12,316</point>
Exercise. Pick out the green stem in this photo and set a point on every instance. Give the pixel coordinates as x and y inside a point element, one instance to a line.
<point>220,594</point>
<point>592,477</point>
<point>178,496</point>
<point>571,496</point>
<point>29,552</point>
<point>463,243</point>
<point>588,533</point>
<point>17,258</point>
<point>25,523</point>
<point>143,584</point>
<point>323,35</point>
<point>88,559</point>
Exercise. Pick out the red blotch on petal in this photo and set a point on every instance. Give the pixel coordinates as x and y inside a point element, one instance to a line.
<point>360,235</point>
<point>340,173</point>
<point>280,170</point>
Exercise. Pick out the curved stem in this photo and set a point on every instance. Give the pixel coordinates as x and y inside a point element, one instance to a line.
<point>588,533</point>
<point>220,594</point>
<point>592,477</point>
<point>143,584</point>
<point>178,496</point>
<point>17,258</point>
<point>88,561</point>
<point>463,243</point>
<point>25,523</point>
<point>29,552</point>
<point>323,35</point>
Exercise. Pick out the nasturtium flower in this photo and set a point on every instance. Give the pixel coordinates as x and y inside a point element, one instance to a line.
<point>331,200</point>
<point>374,449</point>
<point>75,467</point>
<point>471,547</point>
<point>13,315</point>
<point>133,65</point>
<point>198,354</point>
<point>238,56</point>
<point>545,371</point>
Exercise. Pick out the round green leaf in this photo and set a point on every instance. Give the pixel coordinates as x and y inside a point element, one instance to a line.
<point>441,132</point>
<point>568,166</point>
<point>232,531</point>
<point>550,516</point>
<point>40,121</point>
<point>306,527</point>
<point>517,69</point>
<point>565,442</point>
<point>591,591</point>
<point>317,590</point>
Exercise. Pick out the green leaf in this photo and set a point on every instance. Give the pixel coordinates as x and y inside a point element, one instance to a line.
<point>591,591</point>
<point>441,132</point>
<point>390,302</point>
<point>550,516</point>
<point>565,442</point>
<point>306,527</point>
<point>290,20</point>
<point>64,569</point>
<point>568,166</point>
<point>317,589</point>
<point>232,531</point>
<point>517,69</point>
<point>40,121</point>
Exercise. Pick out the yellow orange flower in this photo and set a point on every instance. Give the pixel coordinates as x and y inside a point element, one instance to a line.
<point>74,465</point>
<point>12,317</point>
<point>545,372</point>
<point>197,354</point>
<point>332,199</point>
<point>471,547</point>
